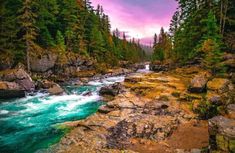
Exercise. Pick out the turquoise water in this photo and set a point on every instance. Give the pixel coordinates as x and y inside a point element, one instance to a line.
<point>29,124</point>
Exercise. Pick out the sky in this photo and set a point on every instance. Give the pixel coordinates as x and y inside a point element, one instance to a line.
<point>139,18</point>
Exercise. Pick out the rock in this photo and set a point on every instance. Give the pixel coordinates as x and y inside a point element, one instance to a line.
<point>9,90</point>
<point>47,84</point>
<point>11,94</point>
<point>20,77</point>
<point>111,90</point>
<point>198,84</point>
<point>55,90</point>
<point>230,64</point>
<point>222,133</point>
<point>214,98</point>
<point>158,67</point>
<point>104,109</point>
<point>133,79</point>
<point>140,126</point>
<point>44,63</point>
<point>231,111</point>
<point>218,85</point>
<point>228,56</point>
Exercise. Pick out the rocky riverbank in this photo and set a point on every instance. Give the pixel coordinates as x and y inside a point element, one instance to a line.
<point>16,82</point>
<point>156,112</point>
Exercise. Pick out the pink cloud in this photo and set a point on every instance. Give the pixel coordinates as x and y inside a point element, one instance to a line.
<point>141,18</point>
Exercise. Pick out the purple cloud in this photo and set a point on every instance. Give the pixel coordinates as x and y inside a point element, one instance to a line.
<point>141,18</point>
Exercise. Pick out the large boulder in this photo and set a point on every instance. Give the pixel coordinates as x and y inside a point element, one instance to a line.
<point>222,134</point>
<point>111,90</point>
<point>10,90</point>
<point>44,63</point>
<point>198,84</point>
<point>20,77</point>
<point>55,90</point>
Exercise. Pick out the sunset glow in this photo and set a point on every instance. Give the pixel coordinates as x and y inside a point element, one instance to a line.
<point>139,18</point>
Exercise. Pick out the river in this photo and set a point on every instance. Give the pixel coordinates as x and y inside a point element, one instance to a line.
<point>31,123</point>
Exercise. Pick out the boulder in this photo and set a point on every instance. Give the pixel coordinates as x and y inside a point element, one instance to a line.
<point>20,77</point>
<point>55,90</point>
<point>218,85</point>
<point>111,90</point>
<point>47,84</point>
<point>44,63</point>
<point>10,90</point>
<point>198,84</point>
<point>222,134</point>
<point>158,67</point>
<point>214,98</point>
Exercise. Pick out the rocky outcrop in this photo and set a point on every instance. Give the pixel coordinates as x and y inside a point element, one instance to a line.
<point>152,117</point>
<point>10,90</point>
<point>20,77</point>
<point>14,83</point>
<point>111,90</point>
<point>222,134</point>
<point>198,84</point>
<point>220,91</point>
<point>43,63</point>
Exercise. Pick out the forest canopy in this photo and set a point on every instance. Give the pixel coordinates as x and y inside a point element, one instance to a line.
<point>38,27</point>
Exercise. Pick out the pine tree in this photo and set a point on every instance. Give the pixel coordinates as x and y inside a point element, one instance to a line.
<point>60,42</point>
<point>27,21</point>
<point>155,40</point>
<point>211,44</point>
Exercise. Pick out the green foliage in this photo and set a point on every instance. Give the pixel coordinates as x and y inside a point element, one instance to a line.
<point>162,46</point>
<point>206,110</point>
<point>211,44</point>
<point>67,26</point>
<point>60,41</point>
<point>197,22</point>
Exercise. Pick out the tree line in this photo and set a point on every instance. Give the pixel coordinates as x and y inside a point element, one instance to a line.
<point>199,29</point>
<point>68,27</point>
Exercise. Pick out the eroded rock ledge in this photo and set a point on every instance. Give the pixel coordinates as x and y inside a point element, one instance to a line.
<point>153,114</point>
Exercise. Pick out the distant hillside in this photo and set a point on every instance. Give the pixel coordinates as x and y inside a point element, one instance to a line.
<point>148,49</point>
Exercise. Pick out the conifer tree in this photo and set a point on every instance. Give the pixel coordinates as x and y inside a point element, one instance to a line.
<point>211,44</point>
<point>27,21</point>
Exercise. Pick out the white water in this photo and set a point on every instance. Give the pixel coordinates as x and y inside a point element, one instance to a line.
<point>145,70</point>
<point>34,117</point>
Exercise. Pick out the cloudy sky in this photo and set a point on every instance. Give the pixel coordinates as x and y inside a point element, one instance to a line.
<point>139,18</point>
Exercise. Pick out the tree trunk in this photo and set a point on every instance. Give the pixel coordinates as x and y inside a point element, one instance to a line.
<point>224,16</point>
<point>28,56</point>
<point>221,15</point>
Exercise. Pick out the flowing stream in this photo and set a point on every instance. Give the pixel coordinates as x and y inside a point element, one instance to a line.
<point>31,123</point>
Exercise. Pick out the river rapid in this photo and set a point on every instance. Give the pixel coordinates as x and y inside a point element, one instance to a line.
<point>30,124</point>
